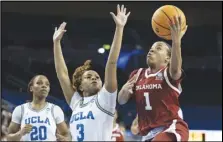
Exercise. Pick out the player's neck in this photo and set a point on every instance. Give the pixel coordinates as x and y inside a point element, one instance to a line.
<point>86,94</point>
<point>155,68</point>
<point>38,104</point>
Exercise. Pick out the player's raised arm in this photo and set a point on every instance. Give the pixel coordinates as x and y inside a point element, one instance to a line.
<point>175,68</point>
<point>60,65</point>
<point>111,65</point>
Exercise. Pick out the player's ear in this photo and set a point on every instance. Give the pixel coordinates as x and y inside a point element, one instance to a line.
<point>31,89</point>
<point>167,60</point>
<point>81,88</point>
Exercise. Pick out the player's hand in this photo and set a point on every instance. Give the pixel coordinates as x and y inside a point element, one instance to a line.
<point>176,30</point>
<point>121,17</point>
<point>135,126</point>
<point>58,34</point>
<point>26,129</point>
<point>62,138</point>
<point>129,85</point>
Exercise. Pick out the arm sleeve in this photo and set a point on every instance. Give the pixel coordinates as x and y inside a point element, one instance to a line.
<point>58,114</point>
<point>17,114</point>
<point>106,101</point>
<point>74,100</point>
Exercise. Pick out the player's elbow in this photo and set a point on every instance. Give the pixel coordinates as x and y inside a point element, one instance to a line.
<point>62,74</point>
<point>9,137</point>
<point>123,97</point>
<point>111,86</point>
<point>121,101</point>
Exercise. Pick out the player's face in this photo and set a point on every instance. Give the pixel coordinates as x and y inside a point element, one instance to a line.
<point>91,82</point>
<point>158,53</point>
<point>40,87</point>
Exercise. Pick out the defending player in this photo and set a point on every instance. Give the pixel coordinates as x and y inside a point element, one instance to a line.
<point>37,120</point>
<point>156,90</point>
<point>93,105</point>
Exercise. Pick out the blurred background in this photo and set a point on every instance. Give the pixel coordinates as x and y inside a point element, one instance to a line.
<point>27,49</point>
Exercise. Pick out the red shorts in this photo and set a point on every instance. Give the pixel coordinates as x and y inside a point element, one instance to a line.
<point>177,131</point>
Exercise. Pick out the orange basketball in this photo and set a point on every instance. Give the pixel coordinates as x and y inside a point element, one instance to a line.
<point>161,18</point>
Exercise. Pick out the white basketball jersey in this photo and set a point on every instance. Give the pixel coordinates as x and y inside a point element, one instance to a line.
<point>43,122</point>
<point>91,122</point>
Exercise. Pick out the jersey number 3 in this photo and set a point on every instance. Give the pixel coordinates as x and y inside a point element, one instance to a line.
<point>80,128</point>
<point>38,133</point>
<point>148,106</point>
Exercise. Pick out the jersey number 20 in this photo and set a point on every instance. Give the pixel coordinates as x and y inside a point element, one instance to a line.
<point>148,106</point>
<point>80,128</point>
<point>38,133</point>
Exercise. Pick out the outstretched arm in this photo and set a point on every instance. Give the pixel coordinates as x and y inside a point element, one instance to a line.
<point>60,65</point>
<point>176,58</point>
<point>111,65</point>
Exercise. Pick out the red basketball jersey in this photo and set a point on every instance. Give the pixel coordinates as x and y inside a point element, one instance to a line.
<point>117,134</point>
<point>156,96</point>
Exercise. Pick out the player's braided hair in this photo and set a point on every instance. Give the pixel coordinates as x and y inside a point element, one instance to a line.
<point>31,84</point>
<point>169,48</point>
<point>77,75</point>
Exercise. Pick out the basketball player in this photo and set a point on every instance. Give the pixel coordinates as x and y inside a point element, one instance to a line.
<point>37,120</point>
<point>156,90</point>
<point>117,133</point>
<point>93,106</point>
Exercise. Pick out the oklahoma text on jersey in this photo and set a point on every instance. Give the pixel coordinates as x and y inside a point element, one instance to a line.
<point>156,96</point>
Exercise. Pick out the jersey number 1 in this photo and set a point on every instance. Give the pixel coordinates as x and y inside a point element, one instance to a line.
<point>148,106</point>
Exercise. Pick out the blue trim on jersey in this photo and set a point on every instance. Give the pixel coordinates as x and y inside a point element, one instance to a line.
<point>30,107</point>
<point>102,109</point>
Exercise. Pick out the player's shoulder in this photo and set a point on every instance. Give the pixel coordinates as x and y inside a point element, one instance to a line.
<point>53,106</point>
<point>20,108</point>
<point>55,109</point>
<point>139,70</point>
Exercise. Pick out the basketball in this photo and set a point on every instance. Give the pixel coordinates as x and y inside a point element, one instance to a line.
<point>161,18</point>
